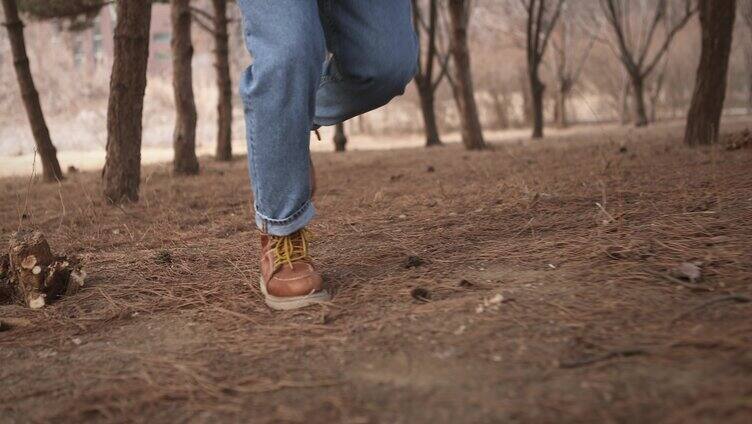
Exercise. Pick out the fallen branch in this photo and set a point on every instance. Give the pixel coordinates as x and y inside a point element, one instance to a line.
<point>738,298</point>
<point>635,351</point>
<point>616,353</point>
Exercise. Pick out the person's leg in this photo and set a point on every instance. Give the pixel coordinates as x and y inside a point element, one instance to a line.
<point>278,91</point>
<point>374,56</point>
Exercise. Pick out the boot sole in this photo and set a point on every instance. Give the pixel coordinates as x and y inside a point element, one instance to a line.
<point>294,302</point>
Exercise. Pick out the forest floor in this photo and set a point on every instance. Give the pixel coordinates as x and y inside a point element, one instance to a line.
<point>534,282</point>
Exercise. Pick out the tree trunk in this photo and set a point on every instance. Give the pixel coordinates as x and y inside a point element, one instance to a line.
<point>704,118</point>
<point>472,133</point>
<point>624,114</point>
<point>363,127</point>
<point>748,56</point>
<point>50,166</point>
<point>655,98</point>
<point>638,96</point>
<point>122,168</point>
<point>428,109</point>
<point>340,139</point>
<point>184,136</point>
<point>527,100</point>
<point>501,109</point>
<point>224,81</point>
<point>557,106</point>
<point>653,115</point>
<point>537,88</point>
<point>562,118</point>
<point>657,90</point>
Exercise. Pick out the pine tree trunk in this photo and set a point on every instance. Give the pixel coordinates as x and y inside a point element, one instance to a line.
<point>340,139</point>
<point>224,81</point>
<point>638,96</point>
<point>122,168</point>
<point>704,118</point>
<point>537,88</point>
<point>428,109</point>
<point>472,133</point>
<point>50,167</point>
<point>184,135</point>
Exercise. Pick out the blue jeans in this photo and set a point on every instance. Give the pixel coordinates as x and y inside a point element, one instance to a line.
<point>291,88</point>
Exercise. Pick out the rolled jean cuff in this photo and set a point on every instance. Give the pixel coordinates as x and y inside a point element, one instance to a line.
<point>287,226</point>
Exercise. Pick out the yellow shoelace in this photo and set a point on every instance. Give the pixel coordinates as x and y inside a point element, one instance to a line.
<point>291,248</point>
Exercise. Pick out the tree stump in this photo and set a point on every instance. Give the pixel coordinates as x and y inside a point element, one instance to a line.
<point>33,276</point>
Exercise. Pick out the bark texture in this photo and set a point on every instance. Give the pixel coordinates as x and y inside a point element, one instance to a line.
<point>184,135</point>
<point>33,275</point>
<point>704,118</point>
<point>428,110</point>
<point>224,81</point>
<point>472,133</point>
<point>122,169</point>
<point>537,89</point>
<point>50,166</point>
<point>340,139</point>
<point>638,99</point>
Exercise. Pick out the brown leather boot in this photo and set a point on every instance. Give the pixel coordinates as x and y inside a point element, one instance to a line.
<point>288,277</point>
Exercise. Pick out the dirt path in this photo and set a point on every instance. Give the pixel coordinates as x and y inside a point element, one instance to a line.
<point>545,267</point>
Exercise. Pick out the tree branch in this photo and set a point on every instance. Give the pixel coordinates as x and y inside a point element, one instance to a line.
<point>669,38</point>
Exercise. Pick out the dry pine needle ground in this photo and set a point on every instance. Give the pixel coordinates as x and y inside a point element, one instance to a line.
<point>532,282</point>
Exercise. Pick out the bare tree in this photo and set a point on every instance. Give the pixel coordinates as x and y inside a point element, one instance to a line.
<point>639,49</point>
<point>122,168</point>
<point>541,17</point>
<point>340,139</point>
<point>50,166</point>
<point>498,60</point>
<point>184,135</point>
<point>426,79</point>
<point>572,43</point>
<point>704,118</point>
<point>462,84</point>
